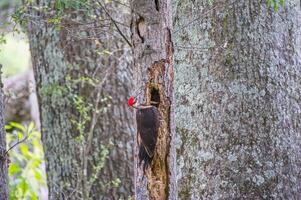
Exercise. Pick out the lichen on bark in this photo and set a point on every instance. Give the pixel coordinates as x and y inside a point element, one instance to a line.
<point>237,80</point>
<point>87,130</point>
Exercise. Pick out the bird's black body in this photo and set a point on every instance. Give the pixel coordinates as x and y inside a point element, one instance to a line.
<point>147,125</point>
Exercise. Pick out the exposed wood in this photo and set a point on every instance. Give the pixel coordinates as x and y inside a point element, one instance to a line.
<point>153,70</point>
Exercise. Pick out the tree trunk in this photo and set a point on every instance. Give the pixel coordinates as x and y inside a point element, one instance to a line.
<point>153,71</point>
<point>238,115</point>
<point>83,76</point>
<point>3,155</point>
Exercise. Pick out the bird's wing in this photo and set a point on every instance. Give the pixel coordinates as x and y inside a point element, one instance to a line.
<point>148,125</point>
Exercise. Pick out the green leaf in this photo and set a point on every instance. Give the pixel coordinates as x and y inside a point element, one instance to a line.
<point>30,127</point>
<point>23,186</point>
<point>37,175</point>
<point>13,169</point>
<point>116,182</point>
<point>37,145</point>
<point>275,5</point>
<point>8,127</point>
<point>17,126</point>
<point>24,150</point>
<point>20,135</point>
<point>269,3</point>
<point>26,173</point>
<point>33,196</point>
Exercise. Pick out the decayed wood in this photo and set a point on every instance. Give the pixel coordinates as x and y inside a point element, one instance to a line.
<point>153,70</point>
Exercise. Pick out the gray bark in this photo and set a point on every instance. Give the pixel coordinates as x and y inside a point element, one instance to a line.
<point>21,104</point>
<point>153,72</point>
<point>68,65</point>
<point>3,155</point>
<point>238,116</point>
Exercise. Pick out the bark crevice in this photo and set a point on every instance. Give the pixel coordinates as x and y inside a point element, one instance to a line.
<point>157,175</point>
<point>141,28</point>
<point>157,5</point>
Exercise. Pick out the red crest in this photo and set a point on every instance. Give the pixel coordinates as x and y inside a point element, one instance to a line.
<point>131,101</point>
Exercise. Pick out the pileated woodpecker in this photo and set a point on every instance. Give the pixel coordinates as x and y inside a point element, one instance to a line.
<point>148,122</point>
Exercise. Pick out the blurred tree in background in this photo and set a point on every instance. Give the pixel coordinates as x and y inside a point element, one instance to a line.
<point>97,124</point>
<point>83,74</point>
<point>14,54</point>
<point>27,177</point>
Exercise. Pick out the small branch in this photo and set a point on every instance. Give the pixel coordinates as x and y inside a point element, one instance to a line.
<point>115,24</point>
<point>17,143</point>
<point>92,125</point>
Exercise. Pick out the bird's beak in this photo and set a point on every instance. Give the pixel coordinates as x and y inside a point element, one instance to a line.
<point>135,105</point>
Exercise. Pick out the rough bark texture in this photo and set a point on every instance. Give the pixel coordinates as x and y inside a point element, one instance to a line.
<point>3,158</point>
<point>83,76</point>
<point>153,51</point>
<point>238,116</point>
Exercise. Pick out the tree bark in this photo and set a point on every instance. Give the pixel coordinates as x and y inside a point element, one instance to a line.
<point>238,116</point>
<point>153,71</point>
<point>83,76</point>
<point>3,155</point>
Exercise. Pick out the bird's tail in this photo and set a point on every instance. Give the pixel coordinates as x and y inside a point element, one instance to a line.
<point>143,156</point>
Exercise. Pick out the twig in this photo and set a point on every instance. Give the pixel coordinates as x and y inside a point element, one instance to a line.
<point>17,143</point>
<point>115,24</point>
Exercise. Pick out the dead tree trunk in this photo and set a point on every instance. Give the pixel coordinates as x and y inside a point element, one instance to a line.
<point>3,155</point>
<point>153,70</point>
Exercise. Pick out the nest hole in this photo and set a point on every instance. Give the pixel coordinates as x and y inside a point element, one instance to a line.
<point>155,97</point>
<point>157,5</point>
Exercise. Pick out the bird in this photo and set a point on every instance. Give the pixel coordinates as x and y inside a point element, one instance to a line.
<point>148,123</point>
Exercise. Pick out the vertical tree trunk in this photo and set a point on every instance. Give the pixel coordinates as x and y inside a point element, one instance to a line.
<point>83,76</point>
<point>3,158</point>
<point>238,116</point>
<point>153,71</point>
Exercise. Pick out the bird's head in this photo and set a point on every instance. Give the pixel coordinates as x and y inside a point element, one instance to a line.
<point>132,101</point>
